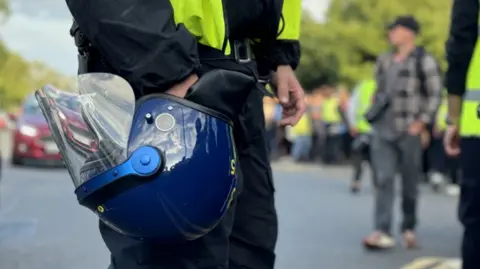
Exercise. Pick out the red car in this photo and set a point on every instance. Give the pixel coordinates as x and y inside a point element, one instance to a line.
<point>74,128</point>
<point>32,140</point>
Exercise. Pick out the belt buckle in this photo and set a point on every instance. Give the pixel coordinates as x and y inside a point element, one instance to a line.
<point>242,51</point>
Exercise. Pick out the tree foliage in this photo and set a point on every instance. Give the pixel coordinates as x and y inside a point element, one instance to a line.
<point>19,77</point>
<point>353,34</point>
<point>319,63</point>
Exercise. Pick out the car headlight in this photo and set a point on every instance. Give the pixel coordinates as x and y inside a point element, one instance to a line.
<point>28,130</point>
<point>61,115</point>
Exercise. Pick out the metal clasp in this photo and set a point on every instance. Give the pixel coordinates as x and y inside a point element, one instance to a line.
<point>242,51</point>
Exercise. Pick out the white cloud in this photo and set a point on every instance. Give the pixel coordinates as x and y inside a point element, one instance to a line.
<point>42,39</point>
<point>316,7</point>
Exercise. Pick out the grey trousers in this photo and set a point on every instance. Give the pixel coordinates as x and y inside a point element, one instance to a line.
<point>403,155</point>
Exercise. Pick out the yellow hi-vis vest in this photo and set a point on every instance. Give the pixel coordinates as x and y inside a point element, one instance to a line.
<point>367,89</point>
<point>205,19</point>
<point>330,113</point>
<point>303,127</point>
<point>440,121</point>
<point>289,27</point>
<point>469,122</point>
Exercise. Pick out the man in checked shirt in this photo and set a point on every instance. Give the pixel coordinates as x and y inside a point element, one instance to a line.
<point>411,78</point>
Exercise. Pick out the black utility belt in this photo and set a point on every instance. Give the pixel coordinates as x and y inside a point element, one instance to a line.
<point>241,59</point>
<point>241,52</point>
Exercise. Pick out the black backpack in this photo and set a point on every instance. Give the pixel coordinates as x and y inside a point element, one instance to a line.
<point>382,100</point>
<point>419,54</point>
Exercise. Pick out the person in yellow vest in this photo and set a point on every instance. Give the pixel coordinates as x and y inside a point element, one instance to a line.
<point>462,137</point>
<point>319,130</point>
<point>360,130</point>
<point>271,125</point>
<point>301,134</point>
<point>167,46</point>
<point>442,166</point>
<point>333,120</point>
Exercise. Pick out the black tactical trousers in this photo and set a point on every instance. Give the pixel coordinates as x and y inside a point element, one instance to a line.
<point>244,239</point>
<point>469,208</point>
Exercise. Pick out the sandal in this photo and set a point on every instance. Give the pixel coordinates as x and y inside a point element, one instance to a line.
<point>409,240</point>
<point>378,241</point>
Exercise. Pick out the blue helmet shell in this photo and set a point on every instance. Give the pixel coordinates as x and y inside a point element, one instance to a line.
<point>179,179</point>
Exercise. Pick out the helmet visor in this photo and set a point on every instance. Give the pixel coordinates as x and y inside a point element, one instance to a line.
<point>90,123</point>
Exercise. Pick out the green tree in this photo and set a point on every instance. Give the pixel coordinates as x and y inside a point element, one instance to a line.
<point>318,63</point>
<point>357,31</point>
<point>19,77</point>
<point>4,9</point>
<point>42,75</point>
<point>14,80</point>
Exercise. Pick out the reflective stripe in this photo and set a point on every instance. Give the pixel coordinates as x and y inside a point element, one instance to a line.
<point>290,24</point>
<point>472,95</point>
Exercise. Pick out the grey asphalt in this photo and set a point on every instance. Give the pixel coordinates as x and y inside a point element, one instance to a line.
<point>321,223</point>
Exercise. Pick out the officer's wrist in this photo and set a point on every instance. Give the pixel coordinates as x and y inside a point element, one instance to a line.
<point>285,53</point>
<point>452,121</point>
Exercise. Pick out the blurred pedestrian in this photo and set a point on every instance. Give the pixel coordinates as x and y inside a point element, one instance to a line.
<point>445,170</point>
<point>271,125</point>
<point>332,118</point>
<point>407,96</point>
<point>344,95</point>
<point>360,130</point>
<point>319,132</point>
<point>426,140</point>
<point>301,134</point>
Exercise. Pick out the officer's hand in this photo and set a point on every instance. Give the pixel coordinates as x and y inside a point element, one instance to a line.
<point>451,141</point>
<point>290,94</point>
<point>181,89</point>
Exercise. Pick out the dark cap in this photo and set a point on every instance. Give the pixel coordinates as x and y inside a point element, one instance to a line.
<point>408,22</point>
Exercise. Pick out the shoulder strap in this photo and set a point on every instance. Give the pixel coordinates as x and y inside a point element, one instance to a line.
<point>419,55</point>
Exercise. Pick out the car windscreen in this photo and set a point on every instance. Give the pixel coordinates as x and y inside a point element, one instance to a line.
<point>31,106</point>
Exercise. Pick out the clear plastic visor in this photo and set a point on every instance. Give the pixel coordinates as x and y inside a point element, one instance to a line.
<point>90,123</point>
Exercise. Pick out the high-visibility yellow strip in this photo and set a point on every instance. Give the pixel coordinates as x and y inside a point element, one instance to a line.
<point>434,263</point>
<point>290,25</point>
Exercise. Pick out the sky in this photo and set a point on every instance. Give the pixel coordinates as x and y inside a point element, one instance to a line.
<point>39,30</point>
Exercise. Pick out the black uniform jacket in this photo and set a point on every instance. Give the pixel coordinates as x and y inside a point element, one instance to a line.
<point>143,45</point>
<point>461,44</point>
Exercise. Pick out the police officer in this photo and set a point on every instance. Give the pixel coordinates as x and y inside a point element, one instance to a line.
<point>462,136</point>
<point>166,46</point>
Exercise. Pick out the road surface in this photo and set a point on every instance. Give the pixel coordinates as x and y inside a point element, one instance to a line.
<point>321,224</point>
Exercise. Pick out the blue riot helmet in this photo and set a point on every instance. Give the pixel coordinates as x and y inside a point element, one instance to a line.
<point>157,167</point>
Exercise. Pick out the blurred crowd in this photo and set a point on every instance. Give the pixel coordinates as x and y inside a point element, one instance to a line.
<point>322,135</point>
<point>330,133</point>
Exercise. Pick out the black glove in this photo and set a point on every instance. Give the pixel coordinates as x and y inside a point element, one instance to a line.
<point>224,91</point>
